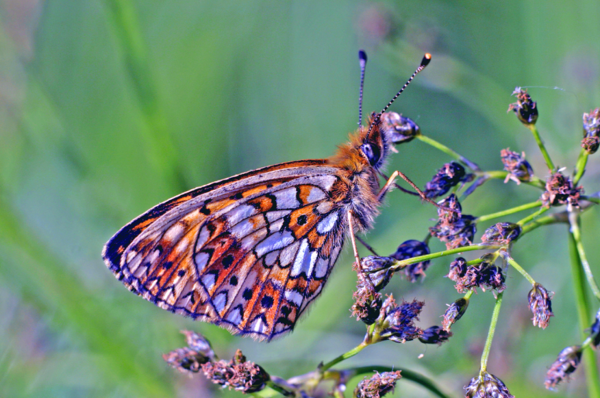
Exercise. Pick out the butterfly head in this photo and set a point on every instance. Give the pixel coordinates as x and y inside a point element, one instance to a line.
<point>389,129</point>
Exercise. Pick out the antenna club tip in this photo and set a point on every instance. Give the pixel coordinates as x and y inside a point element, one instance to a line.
<point>426,59</point>
<point>362,57</point>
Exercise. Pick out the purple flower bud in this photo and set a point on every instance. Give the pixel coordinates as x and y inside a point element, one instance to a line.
<point>445,178</point>
<point>525,109</point>
<point>377,386</point>
<point>435,335</point>
<point>565,364</point>
<point>595,331</point>
<point>486,385</point>
<point>454,312</point>
<point>502,233</point>
<point>560,191</point>
<point>519,168</point>
<point>591,131</point>
<point>454,228</point>
<point>540,305</point>
<point>409,249</point>
<point>458,268</point>
<point>399,320</point>
<point>400,129</point>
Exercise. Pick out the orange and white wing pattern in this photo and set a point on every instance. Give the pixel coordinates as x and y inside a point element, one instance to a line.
<point>248,253</point>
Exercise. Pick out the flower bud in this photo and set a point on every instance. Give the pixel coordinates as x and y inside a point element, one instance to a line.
<point>525,109</point>
<point>435,335</point>
<point>400,129</point>
<point>445,178</point>
<point>377,386</point>
<point>519,169</point>
<point>398,320</point>
<point>560,191</point>
<point>591,131</point>
<point>454,312</point>
<point>409,249</point>
<point>377,269</point>
<point>458,268</point>
<point>487,385</point>
<point>566,363</point>
<point>502,233</point>
<point>540,305</point>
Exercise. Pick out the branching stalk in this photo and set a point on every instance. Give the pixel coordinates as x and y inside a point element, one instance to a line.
<point>538,139</point>
<point>488,343</point>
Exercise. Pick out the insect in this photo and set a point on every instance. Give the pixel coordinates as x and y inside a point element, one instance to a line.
<point>251,252</point>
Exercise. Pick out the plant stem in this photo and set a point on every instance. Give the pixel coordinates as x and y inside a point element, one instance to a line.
<point>576,233</point>
<point>488,343</point>
<point>501,175</point>
<point>406,374</point>
<point>344,356</point>
<point>591,199</point>
<point>532,216</point>
<point>589,359</point>
<point>552,219</point>
<point>516,266</point>
<point>507,212</point>
<point>398,265</point>
<point>580,167</point>
<point>538,139</point>
<point>430,141</point>
<point>281,390</point>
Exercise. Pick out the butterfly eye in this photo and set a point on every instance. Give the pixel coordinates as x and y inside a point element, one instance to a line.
<point>372,157</point>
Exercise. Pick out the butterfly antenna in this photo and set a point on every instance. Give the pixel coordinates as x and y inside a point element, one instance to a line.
<point>362,61</point>
<point>424,62</point>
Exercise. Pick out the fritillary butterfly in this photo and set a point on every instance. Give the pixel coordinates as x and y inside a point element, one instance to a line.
<point>251,252</point>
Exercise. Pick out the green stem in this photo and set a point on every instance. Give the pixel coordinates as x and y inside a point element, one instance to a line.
<point>507,212</point>
<point>501,175</point>
<point>552,219</point>
<point>344,356</point>
<point>398,265</point>
<point>576,233</point>
<point>532,216</point>
<point>538,139</point>
<point>448,151</point>
<point>276,387</point>
<point>406,374</point>
<point>488,343</point>
<point>593,382</point>
<point>516,266</point>
<point>580,167</point>
<point>591,199</point>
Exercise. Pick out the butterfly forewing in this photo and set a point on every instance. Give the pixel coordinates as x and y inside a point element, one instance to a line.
<point>249,253</point>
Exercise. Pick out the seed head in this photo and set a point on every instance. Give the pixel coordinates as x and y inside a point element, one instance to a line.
<point>454,312</point>
<point>367,303</point>
<point>540,305</point>
<point>565,364</point>
<point>399,128</point>
<point>453,227</point>
<point>377,269</point>
<point>377,386</point>
<point>238,374</point>
<point>502,233</point>
<point>483,275</point>
<point>486,385</point>
<point>525,109</point>
<point>518,168</point>
<point>445,178</point>
<point>458,268</point>
<point>435,335</point>
<point>560,191</point>
<point>398,321</point>
<point>409,249</point>
<point>591,131</point>
<point>190,359</point>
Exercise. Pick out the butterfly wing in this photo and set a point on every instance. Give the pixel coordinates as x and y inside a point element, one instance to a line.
<point>249,253</point>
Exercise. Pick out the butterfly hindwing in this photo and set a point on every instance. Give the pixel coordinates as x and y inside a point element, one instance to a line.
<point>248,253</point>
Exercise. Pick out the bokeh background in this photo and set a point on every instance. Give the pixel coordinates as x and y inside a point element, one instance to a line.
<point>110,107</point>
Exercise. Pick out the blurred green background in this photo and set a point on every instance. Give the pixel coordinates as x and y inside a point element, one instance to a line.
<point>110,107</point>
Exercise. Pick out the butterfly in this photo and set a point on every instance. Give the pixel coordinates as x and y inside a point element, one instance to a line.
<point>251,252</point>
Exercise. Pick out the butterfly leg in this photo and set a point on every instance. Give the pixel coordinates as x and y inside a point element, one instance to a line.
<point>357,267</point>
<point>390,182</point>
